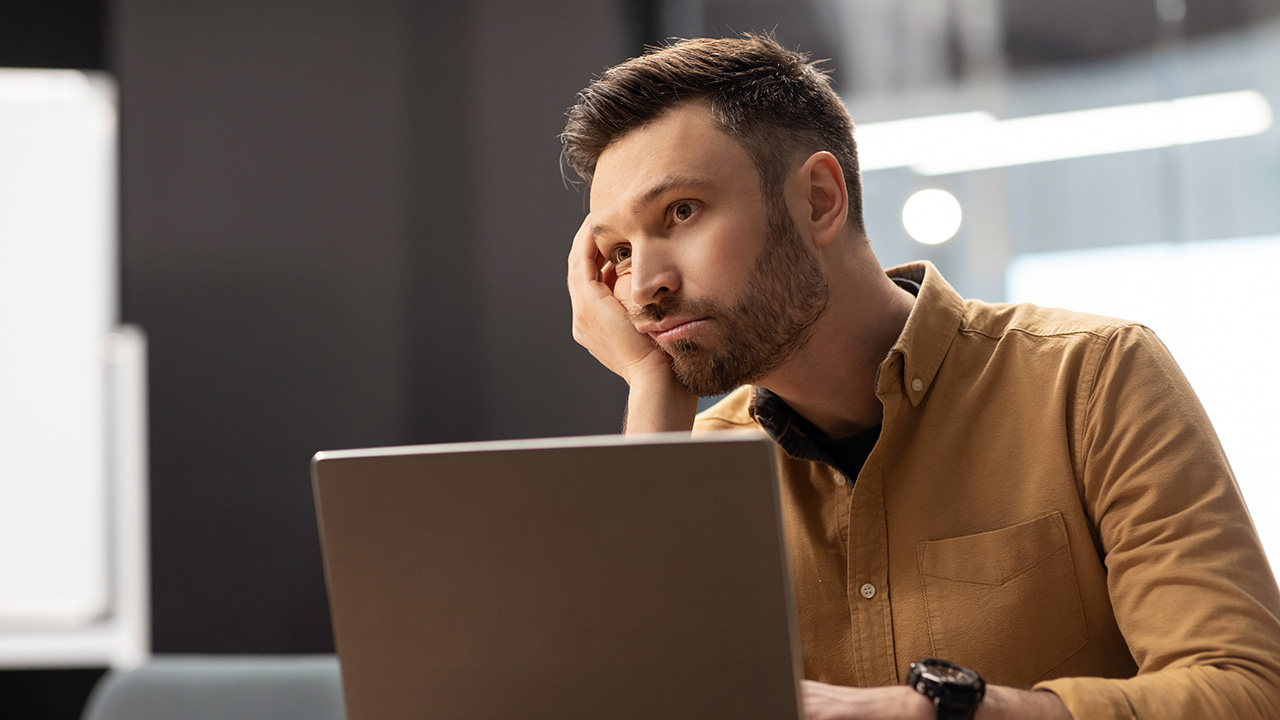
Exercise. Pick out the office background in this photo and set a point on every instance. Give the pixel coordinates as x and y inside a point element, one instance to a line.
<point>344,224</point>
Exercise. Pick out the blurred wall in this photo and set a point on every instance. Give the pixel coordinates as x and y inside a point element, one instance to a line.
<point>343,225</point>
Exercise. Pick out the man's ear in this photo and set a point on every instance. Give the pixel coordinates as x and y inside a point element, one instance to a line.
<point>826,196</point>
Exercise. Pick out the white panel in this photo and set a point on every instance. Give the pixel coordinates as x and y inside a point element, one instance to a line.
<point>1214,306</point>
<point>57,304</point>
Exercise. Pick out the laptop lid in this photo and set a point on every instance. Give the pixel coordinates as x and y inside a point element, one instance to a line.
<point>598,577</point>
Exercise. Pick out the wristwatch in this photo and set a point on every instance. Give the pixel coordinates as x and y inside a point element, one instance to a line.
<point>954,690</point>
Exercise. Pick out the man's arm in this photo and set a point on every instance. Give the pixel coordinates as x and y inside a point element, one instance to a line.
<point>656,402</point>
<point>1191,588</point>
<point>899,702</point>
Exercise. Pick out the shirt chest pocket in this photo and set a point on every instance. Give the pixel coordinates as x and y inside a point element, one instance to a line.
<point>1004,602</point>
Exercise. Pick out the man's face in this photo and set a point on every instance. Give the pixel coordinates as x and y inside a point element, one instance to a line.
<point>719,278</point>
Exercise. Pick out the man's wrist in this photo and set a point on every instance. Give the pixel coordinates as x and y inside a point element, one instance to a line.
<point>657,402</point>
<point>1006,703</point>
<point>959,692</point>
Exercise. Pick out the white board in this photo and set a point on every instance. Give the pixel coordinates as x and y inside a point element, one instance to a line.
<point>58,303</point>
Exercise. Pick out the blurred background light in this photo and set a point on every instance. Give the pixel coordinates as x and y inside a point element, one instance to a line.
<point>902,143</point>
<point>964,142</point>
<point>931,216</point>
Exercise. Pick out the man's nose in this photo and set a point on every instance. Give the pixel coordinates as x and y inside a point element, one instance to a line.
<point>653,276</point>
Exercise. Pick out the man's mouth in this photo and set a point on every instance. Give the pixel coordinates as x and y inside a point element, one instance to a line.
<point>672,329</point>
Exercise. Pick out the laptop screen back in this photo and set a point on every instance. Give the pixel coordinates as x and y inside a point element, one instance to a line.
<point>570,578</point>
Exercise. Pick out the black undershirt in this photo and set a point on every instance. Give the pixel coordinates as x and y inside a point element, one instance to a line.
<point>848,453</point>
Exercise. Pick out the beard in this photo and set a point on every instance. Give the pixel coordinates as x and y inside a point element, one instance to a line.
<point>773,318</point>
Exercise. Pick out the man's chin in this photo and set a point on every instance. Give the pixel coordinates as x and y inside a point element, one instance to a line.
<point>704,378</point>
<point>705,390</point>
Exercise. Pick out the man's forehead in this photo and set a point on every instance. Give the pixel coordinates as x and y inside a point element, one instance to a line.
<point>681,148</point>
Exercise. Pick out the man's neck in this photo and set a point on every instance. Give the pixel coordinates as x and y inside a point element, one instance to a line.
<point>831,382</point>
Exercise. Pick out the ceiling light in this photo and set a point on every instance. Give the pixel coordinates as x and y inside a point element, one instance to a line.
<point>964,142</point>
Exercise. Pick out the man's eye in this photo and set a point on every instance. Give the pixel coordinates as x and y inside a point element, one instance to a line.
<point>619,254</point>
<point>682,211</point>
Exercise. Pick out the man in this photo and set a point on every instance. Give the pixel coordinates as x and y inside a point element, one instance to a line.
<point>1033,495</point>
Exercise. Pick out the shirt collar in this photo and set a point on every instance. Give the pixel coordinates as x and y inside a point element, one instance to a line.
<point>927,336</point>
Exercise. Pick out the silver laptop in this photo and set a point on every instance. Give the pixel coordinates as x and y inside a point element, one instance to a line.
<point>596,577</point>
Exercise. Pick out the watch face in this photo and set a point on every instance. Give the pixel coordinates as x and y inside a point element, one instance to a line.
<point>945,673</point>
<point>954,675</point>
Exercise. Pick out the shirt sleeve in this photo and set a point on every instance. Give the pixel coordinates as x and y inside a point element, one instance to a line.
<point>1191,588</point>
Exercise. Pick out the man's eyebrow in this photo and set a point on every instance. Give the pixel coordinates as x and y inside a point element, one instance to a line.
<point>667,184</point>
<point>664,186</point>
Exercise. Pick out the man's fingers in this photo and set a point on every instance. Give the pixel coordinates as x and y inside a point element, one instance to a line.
<point>590,274</point>
<point>584,257</point>
<point>608,274</point>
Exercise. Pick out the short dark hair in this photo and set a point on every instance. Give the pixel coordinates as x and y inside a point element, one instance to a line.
<point>773,101</point>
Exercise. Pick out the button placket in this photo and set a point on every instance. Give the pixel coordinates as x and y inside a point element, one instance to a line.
<point>871,618</point>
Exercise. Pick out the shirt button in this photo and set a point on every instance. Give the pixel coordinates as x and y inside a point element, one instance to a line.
<point>868,590</point>
<point>917,384</point>
<point>840,480</point>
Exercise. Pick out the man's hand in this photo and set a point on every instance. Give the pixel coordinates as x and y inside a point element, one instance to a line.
<point>899,702</point>
<point>657,402</point>
<point>600,322</point>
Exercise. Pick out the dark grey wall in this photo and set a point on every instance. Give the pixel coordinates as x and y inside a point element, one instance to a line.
<point>343,225</point>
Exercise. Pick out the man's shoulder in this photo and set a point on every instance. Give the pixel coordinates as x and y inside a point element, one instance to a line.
<point>999,320</point>
<point>942,315</point>
<point>732,412</point>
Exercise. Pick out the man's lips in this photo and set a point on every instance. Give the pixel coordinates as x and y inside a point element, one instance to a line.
<point>672,329</point>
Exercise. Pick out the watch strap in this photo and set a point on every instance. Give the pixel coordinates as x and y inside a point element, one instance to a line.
<point>955,711</point>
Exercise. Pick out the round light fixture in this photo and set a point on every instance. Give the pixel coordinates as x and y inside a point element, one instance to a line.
<point>931,216</point>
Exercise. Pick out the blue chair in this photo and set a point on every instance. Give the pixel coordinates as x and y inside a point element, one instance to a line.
<point>229,687</point>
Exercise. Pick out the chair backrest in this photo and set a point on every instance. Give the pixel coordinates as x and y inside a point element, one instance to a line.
<point>210,687</point>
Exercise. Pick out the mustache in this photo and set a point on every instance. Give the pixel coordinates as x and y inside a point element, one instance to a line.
<point>655,311</point>
<point>670,305</point>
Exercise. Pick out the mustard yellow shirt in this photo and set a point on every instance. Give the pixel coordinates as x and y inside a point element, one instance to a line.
<point>1047,504</point>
